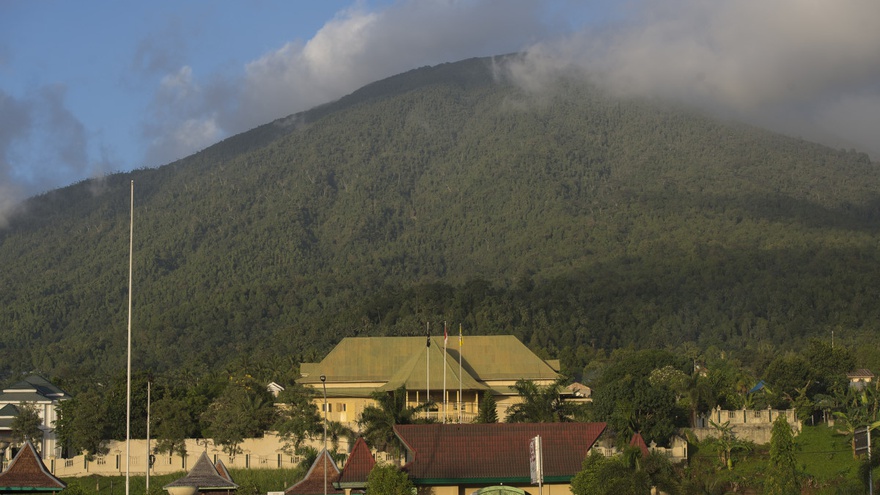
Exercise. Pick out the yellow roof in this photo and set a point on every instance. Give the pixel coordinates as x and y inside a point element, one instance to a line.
<point>397,361</point>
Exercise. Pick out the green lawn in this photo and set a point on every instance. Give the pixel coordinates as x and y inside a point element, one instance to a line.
<point>824,454</point>
<point>824,458</point>
<point>250,481</point>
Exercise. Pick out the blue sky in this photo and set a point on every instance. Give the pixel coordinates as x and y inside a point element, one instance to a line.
<point>89,88</point>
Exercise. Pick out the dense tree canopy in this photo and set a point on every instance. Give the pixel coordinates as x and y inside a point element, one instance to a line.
<point>575,221</point>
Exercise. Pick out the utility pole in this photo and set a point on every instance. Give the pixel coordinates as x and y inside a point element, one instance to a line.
<point>324,385</point>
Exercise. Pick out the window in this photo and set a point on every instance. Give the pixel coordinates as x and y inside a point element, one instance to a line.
<point>329,407</point>
<point>340,407</point>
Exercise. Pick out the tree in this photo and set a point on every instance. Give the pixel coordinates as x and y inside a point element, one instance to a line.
<point>298,416</point>
<point>728,443</point>
<point>173,423</point>
<point>855,414</point>
<point>789,374</point>
<point>81,424</point>
<point>377,422</point>
<point>631,405</point>
<point>540,404</point>
<point>600,475</point>
<point>830,364</point>
<point>782,471</point>
<point>488,412</point>
<point>243,410</point>
<point>387,479</point>
<point>337,431</point>
<point>26,426</point>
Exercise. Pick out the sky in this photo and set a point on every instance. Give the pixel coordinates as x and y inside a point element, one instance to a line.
<point>91,88</point>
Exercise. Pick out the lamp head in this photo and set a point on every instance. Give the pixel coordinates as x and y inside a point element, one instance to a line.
<point>323,378</point>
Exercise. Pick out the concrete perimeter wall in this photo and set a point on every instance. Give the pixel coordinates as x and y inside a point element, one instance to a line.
<point>257,453</point>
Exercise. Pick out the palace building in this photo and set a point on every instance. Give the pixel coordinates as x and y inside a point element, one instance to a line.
<point>455,376</point>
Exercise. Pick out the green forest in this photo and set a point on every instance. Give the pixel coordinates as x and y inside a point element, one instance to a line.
<point>578,221</point>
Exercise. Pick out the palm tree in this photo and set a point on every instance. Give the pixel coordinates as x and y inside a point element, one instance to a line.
<point>541,404</point>
<point>377,422</point>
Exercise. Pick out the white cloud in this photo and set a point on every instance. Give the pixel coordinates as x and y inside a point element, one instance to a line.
<point>40,131</point>
<point>355,48</point>
<point>787,63</point>
<point>780,62</point>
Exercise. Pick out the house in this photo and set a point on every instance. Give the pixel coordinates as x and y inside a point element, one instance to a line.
<point>859,379</point>
<point>274,389</point>
<point>677,452</point>
<point>480,365</point>
<point>754,425</point>
<point>461,458</point>
<point>578,392</point>
<point>323,470</point>
<point>27,473</point>
<point>204,478</point>
<point>43,395</point>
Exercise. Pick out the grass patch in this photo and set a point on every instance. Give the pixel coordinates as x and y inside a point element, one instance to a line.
<point>250,481</point>
<point>824,454</point>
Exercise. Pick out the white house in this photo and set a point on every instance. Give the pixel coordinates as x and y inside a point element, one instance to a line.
<point>42,394</point>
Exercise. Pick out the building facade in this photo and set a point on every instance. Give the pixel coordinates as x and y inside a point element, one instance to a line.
<point>38,392</point>
<point>454,375</point>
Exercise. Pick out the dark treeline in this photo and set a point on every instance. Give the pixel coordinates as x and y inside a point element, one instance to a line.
<point>580,222</point>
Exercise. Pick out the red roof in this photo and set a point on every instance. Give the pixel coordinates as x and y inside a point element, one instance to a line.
<point>494,452</point>
<point>357,468</point>
<point>222,471</point>
<point>313,482</point>
<point>638,441</point>
<point>28,473</point>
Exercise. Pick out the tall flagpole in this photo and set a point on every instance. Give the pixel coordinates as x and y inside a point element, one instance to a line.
<point>445,338</point>
<point>149,464</point>
<point>428,369</point>
<point>459,373</point>
<point>128,380</point>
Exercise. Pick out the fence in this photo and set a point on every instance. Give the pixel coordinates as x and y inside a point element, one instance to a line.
<point>257,453</point>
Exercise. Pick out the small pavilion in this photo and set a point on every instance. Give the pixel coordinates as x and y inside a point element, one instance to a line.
<point>28,474</point>
<point>204,478</point>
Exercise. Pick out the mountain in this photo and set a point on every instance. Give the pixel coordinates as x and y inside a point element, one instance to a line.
<point>571,218</point>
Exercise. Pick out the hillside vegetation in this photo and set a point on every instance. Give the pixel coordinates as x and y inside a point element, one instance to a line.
<point>577,221</point>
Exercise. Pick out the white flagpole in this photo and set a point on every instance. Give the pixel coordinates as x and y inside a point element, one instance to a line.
<point>459,373</point>
<point>128,380</point>
<point>428,368</point>
<point>445,338</point>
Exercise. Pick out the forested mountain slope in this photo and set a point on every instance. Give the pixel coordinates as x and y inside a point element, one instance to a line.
<point>570,218</point>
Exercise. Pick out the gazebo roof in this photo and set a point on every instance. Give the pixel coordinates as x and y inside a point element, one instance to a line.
<point>204,476</point>
<point>357,468</point>
<point>27,473</point>
<point>313,482</point>
<point>639,442</point>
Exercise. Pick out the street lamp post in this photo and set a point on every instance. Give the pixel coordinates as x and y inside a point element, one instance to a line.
<point>324,385</point>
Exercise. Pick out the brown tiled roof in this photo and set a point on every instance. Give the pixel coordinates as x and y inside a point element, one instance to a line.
<point>204,476</point>
<point>222,471</point>
<point>860,373</point>
<point>494,453</point>
<point>313,482</point>
<point>357,468</point>
<point>28,473</point>
<point>638,441</point>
